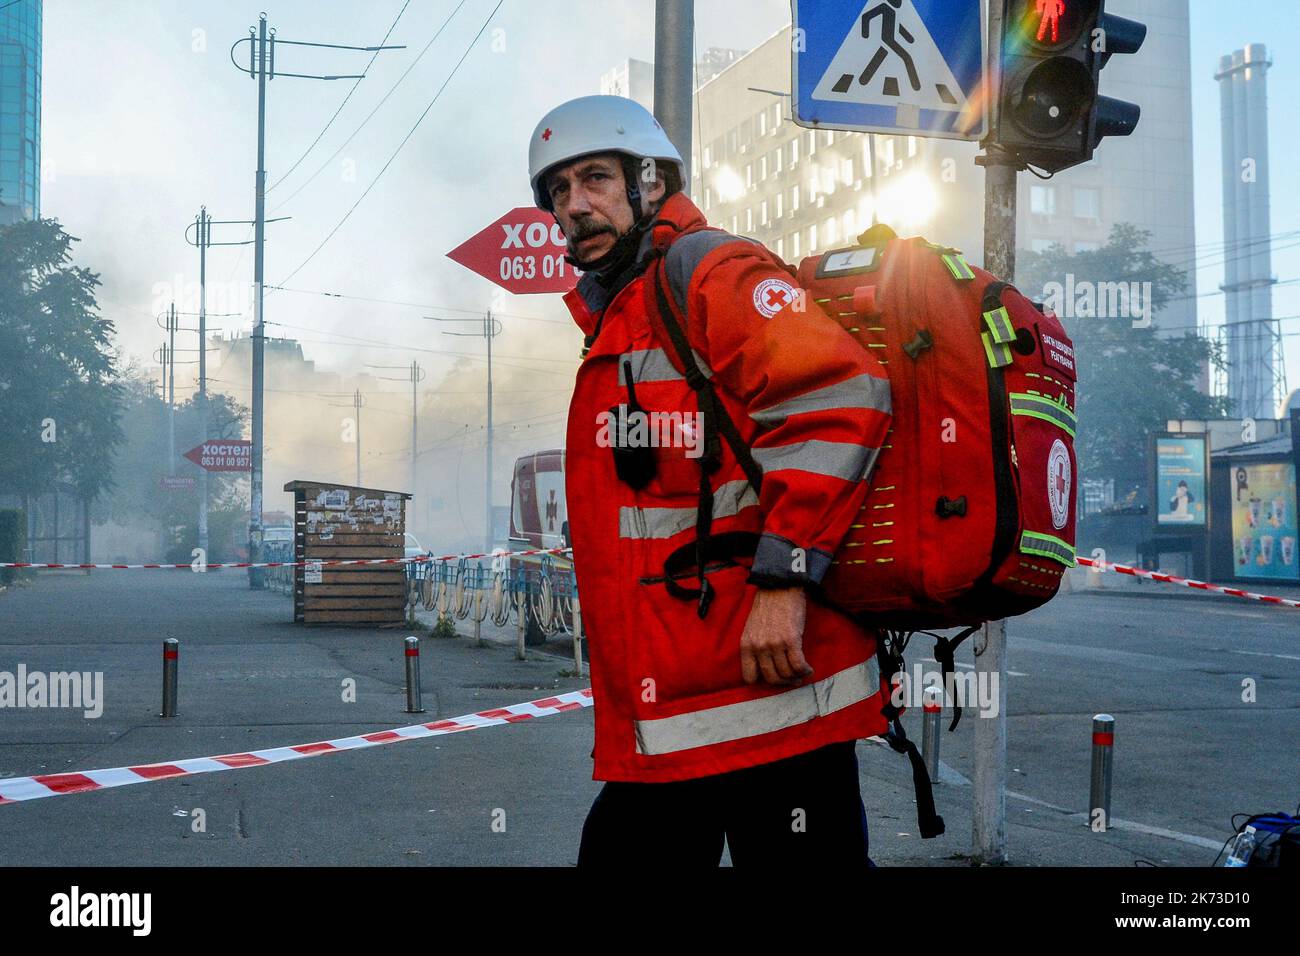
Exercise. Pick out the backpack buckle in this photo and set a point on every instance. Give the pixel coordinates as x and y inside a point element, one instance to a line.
<point>949,507</point>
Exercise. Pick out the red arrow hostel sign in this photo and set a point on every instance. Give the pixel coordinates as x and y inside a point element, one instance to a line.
<point>523,252</point>
<point>223,454</point>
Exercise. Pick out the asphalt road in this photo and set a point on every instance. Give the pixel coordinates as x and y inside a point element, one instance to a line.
<point>1168,664</point>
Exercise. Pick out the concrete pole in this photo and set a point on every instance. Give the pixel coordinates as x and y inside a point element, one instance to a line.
<point>257,576</point>
<point>989,783</point>
<point>675,74</point>
<point>203,372</point>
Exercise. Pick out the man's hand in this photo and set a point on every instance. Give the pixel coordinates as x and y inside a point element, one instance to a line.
<point>771,647</point>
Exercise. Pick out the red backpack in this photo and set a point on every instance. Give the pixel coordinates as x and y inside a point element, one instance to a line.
<point>971,513</point>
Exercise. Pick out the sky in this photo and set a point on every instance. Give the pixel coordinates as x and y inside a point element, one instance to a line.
<point>145,118</point>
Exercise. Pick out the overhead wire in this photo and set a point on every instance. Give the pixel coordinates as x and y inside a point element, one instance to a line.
<point>455,69</point>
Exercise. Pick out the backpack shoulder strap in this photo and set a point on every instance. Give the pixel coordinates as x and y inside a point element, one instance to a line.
<point>668,327</point>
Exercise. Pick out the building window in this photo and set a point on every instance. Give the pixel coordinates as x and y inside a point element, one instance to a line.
<point>830,231</point>
<point>776,159</point>
<point>794,150</point>
<point>1087,203</point>
<point>763,213</point>
<point>887,151</point>
<point>794,245</point>
<point>1042,200</point>
<point>829,137</point>
<point>735,224</point>
<point>780,248</point>
<point>749,219</point>
<point>749,174</point>
<point>1041,245</point>
<point>708,156</point>
<point>911,146</point>
<point>812,141</point>
<point>849,224</point>
<point>780,204</point>
<point>732,142</point>
<point>776,115</point>
<point>708,199</point>
<point>812,237</point>
<point>794,198</point>
<point>1086,247</point>
<point>762,123</point>
<point>762,169</point>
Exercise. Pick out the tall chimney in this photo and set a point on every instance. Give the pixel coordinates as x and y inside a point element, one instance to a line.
<point>1253,342</point>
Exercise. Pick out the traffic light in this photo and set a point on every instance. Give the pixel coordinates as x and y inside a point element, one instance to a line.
<point>1049,112</point>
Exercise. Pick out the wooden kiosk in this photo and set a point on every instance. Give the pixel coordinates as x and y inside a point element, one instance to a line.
<point>335,522</point>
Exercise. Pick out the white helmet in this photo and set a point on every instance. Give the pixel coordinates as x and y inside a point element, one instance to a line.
<point>596,124</point>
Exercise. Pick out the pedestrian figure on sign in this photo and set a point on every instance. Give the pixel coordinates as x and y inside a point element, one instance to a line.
<point>888,24</point>
<point>1050,11</point>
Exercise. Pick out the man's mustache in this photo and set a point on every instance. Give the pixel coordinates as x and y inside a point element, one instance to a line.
<point>586,228</point>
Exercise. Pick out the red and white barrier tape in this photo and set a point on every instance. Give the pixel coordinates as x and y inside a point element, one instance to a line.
<point>1188,583</point>
<point>427,558</point>
<point>324,563</point>
<point>18,789</point>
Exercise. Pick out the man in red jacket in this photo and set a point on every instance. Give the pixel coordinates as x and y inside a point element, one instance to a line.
<point>729,709</point>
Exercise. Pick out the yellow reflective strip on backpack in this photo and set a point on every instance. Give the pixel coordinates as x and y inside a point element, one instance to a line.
<point>998,355</point>
<point>1039,406</point>
<point>956,264</point>
<point>1031,542</point>
<point>999,323</point>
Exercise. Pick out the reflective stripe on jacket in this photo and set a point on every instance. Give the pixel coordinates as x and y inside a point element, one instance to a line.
<point>813,405</point>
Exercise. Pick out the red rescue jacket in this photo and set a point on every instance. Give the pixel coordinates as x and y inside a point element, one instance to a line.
<point>813,405</point>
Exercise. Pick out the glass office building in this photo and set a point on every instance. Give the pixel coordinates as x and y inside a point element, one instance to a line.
<point>20,110</point>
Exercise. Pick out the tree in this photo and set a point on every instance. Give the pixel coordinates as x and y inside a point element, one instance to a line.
<point>60,400</point>
<point>143,457</point>
<point>1132,377</point>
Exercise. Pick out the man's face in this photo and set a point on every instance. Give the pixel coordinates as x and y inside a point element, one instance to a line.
<point>589,196</point>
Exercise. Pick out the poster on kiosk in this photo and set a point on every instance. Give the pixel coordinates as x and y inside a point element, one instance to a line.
<point>1264,520</point>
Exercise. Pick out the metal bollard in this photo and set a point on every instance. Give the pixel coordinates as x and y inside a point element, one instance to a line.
<point>414,704</point>
<point>521,652</point>
<point>171,661</point>
<point>932,716</point>
<point>577,637</point>
<point>1103,746</point>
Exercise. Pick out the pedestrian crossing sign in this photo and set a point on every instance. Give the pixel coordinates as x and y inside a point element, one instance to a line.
<point>890,66</point>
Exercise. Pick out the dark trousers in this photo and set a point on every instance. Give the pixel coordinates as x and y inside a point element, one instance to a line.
<point>800,810</point>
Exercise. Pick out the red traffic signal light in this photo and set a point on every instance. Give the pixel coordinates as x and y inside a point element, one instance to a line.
<point>1047,110</point>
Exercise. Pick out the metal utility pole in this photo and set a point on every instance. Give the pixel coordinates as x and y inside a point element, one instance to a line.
<point>171,388</point>
<point>416,374</point>
<point>261,67</point>
<point>491,328</point>
<point>357,402</point>
<point>202,226</point>
<point>675,74</point>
